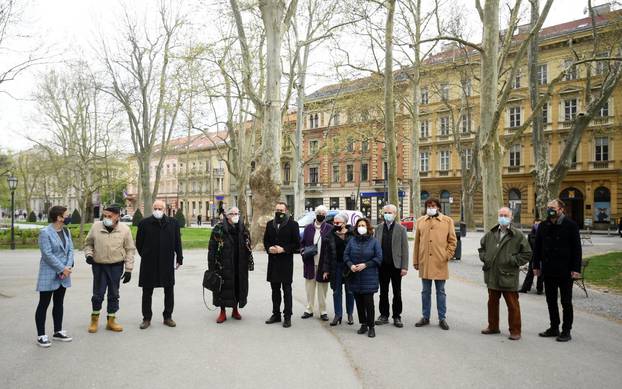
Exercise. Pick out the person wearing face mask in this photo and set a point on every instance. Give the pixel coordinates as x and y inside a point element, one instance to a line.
<point>394,241</point>
<point>54,277</point>
<point>311,251</point>
<point>230,254</point>
<point>503,250</point>
<point>109,248</point>
<point>158,241</point>
<point>333,266</point>
<point>363,256</point>
<point>281,241</point>
<point>435,245</point>
<point>557,258</point>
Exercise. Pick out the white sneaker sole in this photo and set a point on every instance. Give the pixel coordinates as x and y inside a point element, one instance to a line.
<point>43,345</point>
<point>62,340</point>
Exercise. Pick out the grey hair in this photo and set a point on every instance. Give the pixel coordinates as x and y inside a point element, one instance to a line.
<point>506,209</point>
<point>321,208</point>
<point>230,209</point>
<point>341,216</point>
<point>390,206</point>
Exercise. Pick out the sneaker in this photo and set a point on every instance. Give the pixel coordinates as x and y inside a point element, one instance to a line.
<point>43,341</point>
<point>62,336</point>
<point>549,333</point>
<point>382,320</point>
<point>169,322</point>
<point>564,336</point>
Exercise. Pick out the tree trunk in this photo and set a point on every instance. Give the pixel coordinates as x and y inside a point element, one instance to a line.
<point>491,154</point>
<point>389,109</point>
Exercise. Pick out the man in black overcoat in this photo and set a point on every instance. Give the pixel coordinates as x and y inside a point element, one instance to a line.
<point>158,241</point>
<point>281,240</point>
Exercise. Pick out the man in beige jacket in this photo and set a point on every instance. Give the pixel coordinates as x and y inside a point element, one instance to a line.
<point>435,244</point>
<point>109,248</point>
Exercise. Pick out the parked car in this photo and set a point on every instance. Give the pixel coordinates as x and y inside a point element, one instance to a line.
<point>409,223</point>
<point>309,217</point>
<point>126,218</point>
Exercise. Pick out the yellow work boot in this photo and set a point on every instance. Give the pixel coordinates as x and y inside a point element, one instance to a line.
<point>94,323</point>
<point>112,325</point>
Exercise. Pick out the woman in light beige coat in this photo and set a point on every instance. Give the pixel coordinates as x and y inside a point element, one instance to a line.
<point>435,244</point>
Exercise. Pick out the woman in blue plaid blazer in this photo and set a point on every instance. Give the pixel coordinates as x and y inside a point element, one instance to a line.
<point>54,273</point>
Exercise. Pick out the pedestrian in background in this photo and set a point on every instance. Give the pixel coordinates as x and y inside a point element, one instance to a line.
<point>435,245</point>
<point>503,250</point>
<point>281,240</point>
<point>557,257</point>
<point>528,282</point>
<point>393,239</point>
<point>158,241</point>
<point>363,256</point>
<point>333,267</point>
<point>109,249</point>
<point>54,278</point>
<point>311,251</point>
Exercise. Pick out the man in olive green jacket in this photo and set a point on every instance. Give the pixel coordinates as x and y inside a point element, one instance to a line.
<point>504,249</point>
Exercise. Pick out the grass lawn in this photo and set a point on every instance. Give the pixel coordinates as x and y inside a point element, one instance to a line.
<point>605,271</point>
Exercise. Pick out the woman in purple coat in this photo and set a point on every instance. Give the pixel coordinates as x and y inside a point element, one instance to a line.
<point>310,248</point>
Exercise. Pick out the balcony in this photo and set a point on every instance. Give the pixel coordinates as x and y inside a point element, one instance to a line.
<point>600,164</point>
<point>565,125</point>
<point>443,173</point>
<point>514,169</point>
<point>313,186</point>
<point>423,174</point>
<point>601,121</point>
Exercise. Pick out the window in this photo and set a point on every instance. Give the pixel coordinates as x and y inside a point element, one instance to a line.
<point>444,92</point>
<point>545,114</point>
<point>311,122</point>
<point>516,80</point>
<point>424,96</point>
<point>601,148</point>
<point>603,112</point>
<point>336,145</point>
<point>600,66</point>
<point>515,155</point>
<point>386,170</point>
<point>425,129</point>
<point>424,158</point>
<point>444,126</point>
<point>445,202</point>
<point>365,146</point>
<point>364,172</point>
<point>336,118</point>
<point>424,196</point>
<point>313,146</point>
<point>467,157</point>
<point>542,74</point>
<point>349,172</point>
<point>335,173</point>
<point>286,172</point>
<point>465,123</point>
<point>314,175</point>
<point>571,70</point>
<point>350,145</point>
<point>444,161</point>
<point>467,88</point>
<point>570,109</point>
<point>515,116</point>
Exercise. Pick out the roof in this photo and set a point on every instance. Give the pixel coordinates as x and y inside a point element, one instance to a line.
<point>551,32</point>
<point>197,142</point>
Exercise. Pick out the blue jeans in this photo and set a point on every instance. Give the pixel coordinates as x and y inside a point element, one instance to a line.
<point>337,296</point>
<point>441,303</point>
<point>106,276</point>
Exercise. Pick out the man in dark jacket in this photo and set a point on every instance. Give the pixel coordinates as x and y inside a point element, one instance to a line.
<point>281,240</point>
<point>158,241</point>
<point>394,242</point>
<point>557,257</point>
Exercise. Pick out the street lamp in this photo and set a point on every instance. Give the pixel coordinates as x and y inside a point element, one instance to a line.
<point>12,180</point>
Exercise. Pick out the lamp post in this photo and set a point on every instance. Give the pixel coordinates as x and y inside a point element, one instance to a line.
<point>353,200</point>
<point>12,180</point>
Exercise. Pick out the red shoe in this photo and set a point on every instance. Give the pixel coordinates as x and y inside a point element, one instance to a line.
<point>236,314</point>
<point>222,317</point>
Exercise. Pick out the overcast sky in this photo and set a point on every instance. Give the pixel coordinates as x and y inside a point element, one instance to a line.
<point>68,28</point>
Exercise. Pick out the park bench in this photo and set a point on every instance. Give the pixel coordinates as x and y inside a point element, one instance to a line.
<point>580,282</point>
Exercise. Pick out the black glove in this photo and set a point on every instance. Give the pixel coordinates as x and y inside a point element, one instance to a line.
<point>89,260</point>
<point>127,276</point>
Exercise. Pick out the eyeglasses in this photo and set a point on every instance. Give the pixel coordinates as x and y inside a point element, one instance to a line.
<point>233,214</point>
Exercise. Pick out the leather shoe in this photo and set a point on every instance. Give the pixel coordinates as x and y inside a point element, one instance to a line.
<point>398,322</point>
<point>371,333</point>
<point>564,337</point>
<point>287,322</point>
<point>170,322</point>
<point>382,320</point>
<point>422,322</point>
<point>443,324</point>
<point>549,333</point>
<point>306,315</point>
<point>324,317</point>
<point>362,330</point>
<point>488,331</point>
<point>514,337</point>
<point>145,324</point>
<point>274,319</point>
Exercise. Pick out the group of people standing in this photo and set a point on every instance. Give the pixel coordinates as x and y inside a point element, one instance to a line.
<point>356,261</point>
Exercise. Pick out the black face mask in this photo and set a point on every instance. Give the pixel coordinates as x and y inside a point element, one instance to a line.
<point>279,216</point>
<point>320,218</point>
<point>337,228</point>
<point>551,213</point>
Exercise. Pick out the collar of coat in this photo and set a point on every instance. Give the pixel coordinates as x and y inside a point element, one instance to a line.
<point>510,230</point>
<point>438,216</point>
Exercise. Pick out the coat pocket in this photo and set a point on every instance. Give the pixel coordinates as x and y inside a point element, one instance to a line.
<point>508,279</point>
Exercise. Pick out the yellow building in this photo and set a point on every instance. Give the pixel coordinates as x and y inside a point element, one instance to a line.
<point>592,188</point>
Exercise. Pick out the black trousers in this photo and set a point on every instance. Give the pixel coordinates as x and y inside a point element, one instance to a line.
<point>551,285</point>
<point>169,302</point>
<point>276,298</point>
<point>528,283</point>
<point>58,296</point>
<point>389,274</point>
<point>365,308</point>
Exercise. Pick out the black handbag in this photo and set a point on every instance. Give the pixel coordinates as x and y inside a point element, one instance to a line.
<point>347,273</point>
<point>309,251</point>
<point>212,281</point>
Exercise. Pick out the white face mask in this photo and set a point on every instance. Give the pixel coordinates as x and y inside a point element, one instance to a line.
<point>158,214</point>
<point>432,211</point>
<point>235,219</point>
<point>361,230</point>
<point>108,222</point>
